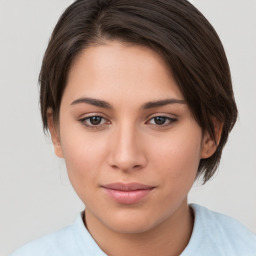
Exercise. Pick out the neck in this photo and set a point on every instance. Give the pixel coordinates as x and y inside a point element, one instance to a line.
<point>169,238</point>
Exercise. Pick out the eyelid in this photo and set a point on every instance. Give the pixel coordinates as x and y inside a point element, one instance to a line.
<point>167,115</point>
<point>90,114</point>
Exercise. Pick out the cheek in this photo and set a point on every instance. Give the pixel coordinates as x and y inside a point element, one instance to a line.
<point>178,157</point>
<point>181,154</point>
<point>83,156</point>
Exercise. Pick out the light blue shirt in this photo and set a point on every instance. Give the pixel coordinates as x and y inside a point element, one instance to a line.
<point>214,234</point>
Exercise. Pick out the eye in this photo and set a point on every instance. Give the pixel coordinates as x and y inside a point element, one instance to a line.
<point>93,121</point>
<point>162,120</point>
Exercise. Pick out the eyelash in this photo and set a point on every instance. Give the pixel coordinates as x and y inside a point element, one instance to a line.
<point>92,126</point>
<point>169,120</point>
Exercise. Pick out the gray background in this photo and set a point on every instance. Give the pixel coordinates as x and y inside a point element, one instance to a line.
<point>35,194</point>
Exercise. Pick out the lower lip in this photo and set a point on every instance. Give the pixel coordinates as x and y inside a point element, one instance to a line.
<point>127,197</point>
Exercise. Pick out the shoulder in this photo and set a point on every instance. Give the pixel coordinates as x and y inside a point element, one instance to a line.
<point>71,240</point>
<point>52,244</point>
<point>223,225</point>
<point>217,234</point>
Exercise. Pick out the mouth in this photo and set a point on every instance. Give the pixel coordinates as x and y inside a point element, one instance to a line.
<point>127,193</point>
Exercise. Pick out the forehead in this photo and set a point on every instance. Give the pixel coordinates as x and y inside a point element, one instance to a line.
<point>115,69</point>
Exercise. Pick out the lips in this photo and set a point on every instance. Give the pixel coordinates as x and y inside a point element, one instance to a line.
<point>129,193</point>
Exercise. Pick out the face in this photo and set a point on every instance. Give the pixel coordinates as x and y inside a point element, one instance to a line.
<point>129,140</point>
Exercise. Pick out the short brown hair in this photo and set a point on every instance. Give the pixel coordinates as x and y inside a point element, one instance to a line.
<point>173,28</point>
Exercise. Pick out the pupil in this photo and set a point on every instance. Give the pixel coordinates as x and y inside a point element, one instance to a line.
<point>95,120</point>
<point>160,120</point>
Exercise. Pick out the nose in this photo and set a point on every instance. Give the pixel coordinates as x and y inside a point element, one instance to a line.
<point>126,151</point>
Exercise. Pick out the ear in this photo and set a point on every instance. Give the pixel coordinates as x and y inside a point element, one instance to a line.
<point>209,144</point>
<point>54,134</point>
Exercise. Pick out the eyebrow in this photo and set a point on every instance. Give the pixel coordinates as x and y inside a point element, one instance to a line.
<point>148,105</point>
<point>94,102</point>
<point>160,103</point>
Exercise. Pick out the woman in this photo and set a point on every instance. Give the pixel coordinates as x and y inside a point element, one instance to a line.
<point>138,99</point>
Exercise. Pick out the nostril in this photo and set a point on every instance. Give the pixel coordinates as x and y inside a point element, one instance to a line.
<point>126,168</point>
<point>114,166</point>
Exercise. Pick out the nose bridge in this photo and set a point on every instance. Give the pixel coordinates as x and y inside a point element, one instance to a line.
<point>127,152</point>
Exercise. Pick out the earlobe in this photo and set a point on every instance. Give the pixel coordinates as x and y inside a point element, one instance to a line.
<point>210,144</point>
<point>54,134</point>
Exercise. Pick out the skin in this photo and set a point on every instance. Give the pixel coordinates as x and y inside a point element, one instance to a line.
<point>129,146</point>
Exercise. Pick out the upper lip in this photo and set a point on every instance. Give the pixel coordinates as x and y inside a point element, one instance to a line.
<point>127,186</point>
